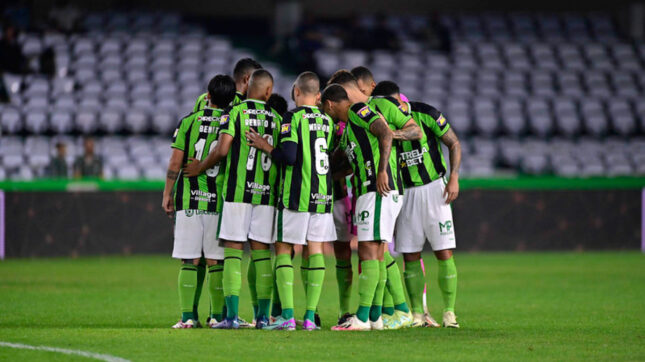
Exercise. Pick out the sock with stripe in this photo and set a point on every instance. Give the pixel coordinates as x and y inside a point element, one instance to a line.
<point>201,276</point>
<point>448,283</point>
<point>187,284</point>
<point>284,278</point>
<point>377,302</point>
<point>314,284</point>
<point>344,276</point>
<point>388,304</point>
<point>414,283</point>
<point>304,272</point>
<point>232,281</point>
<point>367,281</point>
<point>394,283</point>
<point>276,304</point>
<point>263,280</point>
<point>215,290</point>
<point>250,279</point>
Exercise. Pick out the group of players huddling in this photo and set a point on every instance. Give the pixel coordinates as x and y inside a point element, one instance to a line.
<point>244,169</point>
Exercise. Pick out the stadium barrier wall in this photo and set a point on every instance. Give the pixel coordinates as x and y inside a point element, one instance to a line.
<point>63,218</point>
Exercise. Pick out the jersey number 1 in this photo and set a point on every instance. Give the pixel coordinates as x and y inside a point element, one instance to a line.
<point>199,151</point>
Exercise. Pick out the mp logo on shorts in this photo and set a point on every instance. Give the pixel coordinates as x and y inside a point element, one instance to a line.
<point>362,217</point>
<point>395,198</point>
<point>445,228</point>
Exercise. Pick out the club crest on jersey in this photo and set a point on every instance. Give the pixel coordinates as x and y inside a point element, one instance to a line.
<point>223,120</point>
<point>364,112</point>
<point>441,121</point>
<point>285,128</point>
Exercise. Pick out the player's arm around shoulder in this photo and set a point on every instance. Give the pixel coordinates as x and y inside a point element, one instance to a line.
<point>449,138</point>
<point>196,167</point>
<point>384,134</point>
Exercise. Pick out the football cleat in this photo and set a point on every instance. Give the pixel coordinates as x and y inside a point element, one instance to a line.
<point>308,325</point>
<point>353,324</point>
<point>344,318</point>
<point>430,322</point>
<point>245,324</point>
<point>378,325</point>
<point>227,323</point>
<point>198,324</point>
<point>450,320</point>
<point>212,322</point>
<point>398,320</point>
<point>262,322</point>
<point>184,325</point>
<point>282,324</point>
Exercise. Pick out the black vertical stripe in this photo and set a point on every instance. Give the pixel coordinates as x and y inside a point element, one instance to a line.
<point>210,181</point>
<point>421,169</point>
<point>193,203</point>
<point>434,151</point>
<point>234,156</point>
<point>179,194</point>
<point>250,174</point>
<point>328,178</point>
<point>266,174</point>
<point>366,150</point>
<point>314,181</point>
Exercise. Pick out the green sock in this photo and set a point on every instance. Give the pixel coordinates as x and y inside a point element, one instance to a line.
<point>304,272</point>
<point>232,281</point>
<point>377,302</point>
<point>263,280</point>
<point>367,282</point>
<point>414,283</point>
<point>201,275</point>
<point>215,290</point>
<point>388,304</point>
<point>344,276</point>
<point>394,284</point>
<point>250,280</point>
<point>276,306</point>
<point>187,284</point>
<point>284,278</point>
<point>314,283</point>
<point>448,283</point>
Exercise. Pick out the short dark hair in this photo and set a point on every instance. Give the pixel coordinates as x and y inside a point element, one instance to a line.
<point>245,66</point>
<point>308,82</point>
<point>362,73</point>
<point>342,76</point>
<point>278,103</point>
<point>334,93</point>
<point>386,88</point>
<point>221,90</point>
<point>262,73</point>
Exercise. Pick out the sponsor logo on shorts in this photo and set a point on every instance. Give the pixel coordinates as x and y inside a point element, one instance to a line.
<point>445,228</point>
<point>395,198</point>
<point>190,212</point>
<point>362,217</point>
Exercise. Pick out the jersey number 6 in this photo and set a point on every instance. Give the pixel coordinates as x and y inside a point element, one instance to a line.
<point>322,158</point>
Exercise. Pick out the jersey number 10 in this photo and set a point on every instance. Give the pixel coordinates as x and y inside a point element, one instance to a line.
<point>199,151</point>
<point>266,160</point>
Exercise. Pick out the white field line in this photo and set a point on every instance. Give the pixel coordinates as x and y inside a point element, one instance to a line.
<point>98,356</point>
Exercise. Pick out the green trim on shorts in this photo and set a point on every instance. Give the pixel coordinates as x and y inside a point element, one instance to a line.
<point>377,217</point>
<point>280,231</point>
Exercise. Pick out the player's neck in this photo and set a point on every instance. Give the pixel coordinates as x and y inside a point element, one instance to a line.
<point>356,96</point>
<point>308,102</point>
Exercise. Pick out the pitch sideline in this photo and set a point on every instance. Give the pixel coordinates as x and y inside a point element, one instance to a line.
<point>98,356</point>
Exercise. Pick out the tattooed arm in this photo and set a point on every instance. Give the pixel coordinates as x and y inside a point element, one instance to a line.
<point>410,132</point>
<point>174,166</point>
<point>384,134</point>
<point>452,189</point>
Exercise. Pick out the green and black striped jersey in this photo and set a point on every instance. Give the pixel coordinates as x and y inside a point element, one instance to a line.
<point>362,150</point>
<point>307,185</point>
<point>251,177</point>
<point>196,135</point>
<point>422,161</point>
<point>202,101</point>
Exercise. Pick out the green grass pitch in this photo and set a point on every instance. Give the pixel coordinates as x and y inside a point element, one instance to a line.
<point>511,306</point>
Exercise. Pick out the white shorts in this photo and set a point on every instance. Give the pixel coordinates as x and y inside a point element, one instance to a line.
<point>425,216</point>
<point>342,219</point>
<point>296,227</point>
<point>196,232</point>
<point>241,222</point>
<point>375,215</point>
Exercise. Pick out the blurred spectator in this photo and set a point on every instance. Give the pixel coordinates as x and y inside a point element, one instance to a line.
<point>89,164</point>
<point>12,59</point>
<point>65,16</point>
<point>383,37</point>
<point>58,166</point>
